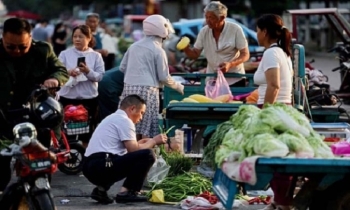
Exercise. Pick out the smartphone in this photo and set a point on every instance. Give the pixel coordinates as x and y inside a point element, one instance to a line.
<point>80,60</point>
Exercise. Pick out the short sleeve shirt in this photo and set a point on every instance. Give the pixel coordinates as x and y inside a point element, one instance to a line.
<point>231,40</point>
<point>110,133</point>
<point>275,57</point>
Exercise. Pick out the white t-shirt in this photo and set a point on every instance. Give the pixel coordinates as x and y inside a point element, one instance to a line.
<point>110,134</point>
<point>275,57</point>
<point>231,40</point>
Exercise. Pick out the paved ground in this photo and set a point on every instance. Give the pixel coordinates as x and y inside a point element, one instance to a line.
<point>77,189</point>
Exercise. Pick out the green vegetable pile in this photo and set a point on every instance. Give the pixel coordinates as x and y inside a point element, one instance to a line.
<point>214,143</point>
<point>178,163</point>
<point>275,131</point>
<point>179,187</point>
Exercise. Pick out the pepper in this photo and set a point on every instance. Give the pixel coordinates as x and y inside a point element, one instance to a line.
<point>254,200</point>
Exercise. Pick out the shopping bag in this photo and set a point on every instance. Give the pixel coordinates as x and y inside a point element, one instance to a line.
<point>217,87</point>
<point>158,171</point>
<point>75,113</point>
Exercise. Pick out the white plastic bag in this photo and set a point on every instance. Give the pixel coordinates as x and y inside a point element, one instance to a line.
<point>158,171</point>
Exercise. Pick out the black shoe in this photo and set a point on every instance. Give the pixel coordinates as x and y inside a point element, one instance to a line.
<point>101,196</point>
<point>130,196</point>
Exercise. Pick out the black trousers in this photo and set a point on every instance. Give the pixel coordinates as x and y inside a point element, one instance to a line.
<point>133,166</point>
<point>109,61</point>
<point>91,106</point>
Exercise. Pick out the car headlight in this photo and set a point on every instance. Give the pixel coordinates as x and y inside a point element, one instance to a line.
<point>42,183</point>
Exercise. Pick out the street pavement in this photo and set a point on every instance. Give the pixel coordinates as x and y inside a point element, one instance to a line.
<point>76,189</point>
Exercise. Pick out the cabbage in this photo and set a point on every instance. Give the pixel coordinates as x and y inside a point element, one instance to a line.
<point>264,144</point>
<point>221,154</point>
<point>297,143</point>
<point>321,149</point>
<point>233,139</point>
<point>281,121</point>
<point>244,112</point>
<point>298,116</point>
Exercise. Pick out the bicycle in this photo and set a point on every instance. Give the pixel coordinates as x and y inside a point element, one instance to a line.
<point>72,131</point>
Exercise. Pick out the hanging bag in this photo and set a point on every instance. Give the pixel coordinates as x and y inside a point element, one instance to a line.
<point>217,87</point>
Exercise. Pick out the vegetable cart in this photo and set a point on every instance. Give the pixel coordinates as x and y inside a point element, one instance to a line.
<point>206,116</point>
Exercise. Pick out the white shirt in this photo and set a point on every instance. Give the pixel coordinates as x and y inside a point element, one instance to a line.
<point>86,89</point>
<point>275,57</point>
<point>110,133</point>
<point>231,40</point>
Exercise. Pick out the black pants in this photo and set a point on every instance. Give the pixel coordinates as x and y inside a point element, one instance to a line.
<point>91,107</point>
<point>133,166</point>
<point>240,83</point>
<point>109,61</point>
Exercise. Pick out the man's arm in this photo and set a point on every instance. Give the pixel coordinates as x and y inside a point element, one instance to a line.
<point>192,53</point>
<point>57,70</point>
<point>148,143</point>
<point>243,57</point>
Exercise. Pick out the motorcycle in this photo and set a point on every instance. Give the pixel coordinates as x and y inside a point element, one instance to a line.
<point>343,52</point>
<point>34,163</point>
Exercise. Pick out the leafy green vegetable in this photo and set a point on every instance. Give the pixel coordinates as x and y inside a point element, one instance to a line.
<point>215,142</point>
<point>178,163</point>
<point>297,143</point>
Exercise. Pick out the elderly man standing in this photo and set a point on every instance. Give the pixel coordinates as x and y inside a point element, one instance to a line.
<point>92,20</point>
<point>224,43</point>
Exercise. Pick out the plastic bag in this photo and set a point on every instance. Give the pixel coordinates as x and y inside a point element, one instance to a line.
<point>75,113</point>
<point>158,171</point>
<point>218,87</point>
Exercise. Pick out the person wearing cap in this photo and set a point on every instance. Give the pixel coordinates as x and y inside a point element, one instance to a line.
<point>223,42</point>
<point>145,65</point>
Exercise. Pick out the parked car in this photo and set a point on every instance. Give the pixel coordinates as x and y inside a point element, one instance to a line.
<point>191,28</point>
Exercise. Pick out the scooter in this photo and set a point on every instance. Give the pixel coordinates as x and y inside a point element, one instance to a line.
<point>34,164</point>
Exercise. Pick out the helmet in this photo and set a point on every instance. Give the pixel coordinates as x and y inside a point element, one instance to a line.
<point>46,112</point>
<point>24,133</point>
<point>157,25</point>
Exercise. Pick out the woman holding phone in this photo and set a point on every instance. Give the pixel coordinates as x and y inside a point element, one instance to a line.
<point>86,69</point>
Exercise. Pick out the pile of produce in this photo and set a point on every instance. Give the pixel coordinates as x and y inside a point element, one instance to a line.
<point>197,98</point>
<point>177,188</point>
<point>177,161</point>
<point>276,131</point>
<point>214,143</point>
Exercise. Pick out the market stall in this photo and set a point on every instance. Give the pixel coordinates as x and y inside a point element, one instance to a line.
<point>205,116</point>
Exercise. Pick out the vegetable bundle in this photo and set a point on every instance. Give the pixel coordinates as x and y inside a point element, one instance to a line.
<point>179,187</point>
<point>178,163</point>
